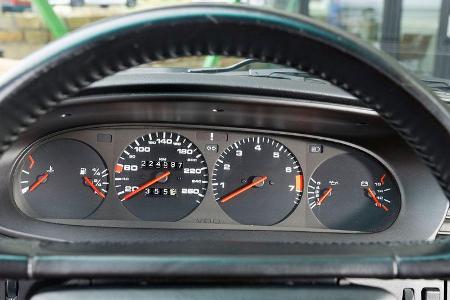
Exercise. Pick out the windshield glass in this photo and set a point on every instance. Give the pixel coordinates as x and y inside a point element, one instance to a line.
<point>415,32</point>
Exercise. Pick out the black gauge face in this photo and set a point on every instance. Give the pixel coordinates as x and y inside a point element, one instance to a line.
<point>354,192</point>
<point>257,181</point>
<point>63,179</point>
<point>161,176</point>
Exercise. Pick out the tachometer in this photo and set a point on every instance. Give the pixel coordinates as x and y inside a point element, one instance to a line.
<point>161,176</point>
<point>352,191</point>
<point>257,181</point>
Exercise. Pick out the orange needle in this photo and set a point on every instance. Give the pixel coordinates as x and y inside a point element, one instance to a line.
<point>382,179</point>
<point>146,185</point>
<point>39,181</point>
<point>243,189</point>
<point>32,162</point>
<point>92,185</point>
<point>377,202</point>
<point>325,195</point>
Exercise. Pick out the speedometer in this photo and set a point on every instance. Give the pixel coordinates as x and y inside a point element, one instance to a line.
<point>161,176</point>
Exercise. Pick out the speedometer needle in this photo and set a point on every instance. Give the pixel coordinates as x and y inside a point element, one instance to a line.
<point>38,182</point>
<point>92,186</point>
<point>146,185</point>
<point>243,189</point>
<point>375,199</point>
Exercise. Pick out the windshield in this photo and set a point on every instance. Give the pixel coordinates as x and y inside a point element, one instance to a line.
<point>415,32</point>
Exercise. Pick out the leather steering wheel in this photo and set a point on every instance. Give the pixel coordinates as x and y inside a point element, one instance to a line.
<point>64,67</point>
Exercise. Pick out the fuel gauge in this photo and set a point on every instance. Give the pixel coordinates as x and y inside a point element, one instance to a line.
<point>62,179</point>
<point>353,191</point>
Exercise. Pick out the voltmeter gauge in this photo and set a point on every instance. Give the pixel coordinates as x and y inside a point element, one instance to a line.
<point>353,191</point>
<point>161,176</point>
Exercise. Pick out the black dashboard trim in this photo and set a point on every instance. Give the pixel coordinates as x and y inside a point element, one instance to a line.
<point>149,81</point>
<point>223,260</point>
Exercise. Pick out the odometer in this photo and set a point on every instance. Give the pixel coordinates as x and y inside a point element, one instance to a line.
<point>257,181</point>
<point>161,176</point>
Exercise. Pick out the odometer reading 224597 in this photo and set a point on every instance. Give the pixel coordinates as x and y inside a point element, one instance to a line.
<point>161,176</point>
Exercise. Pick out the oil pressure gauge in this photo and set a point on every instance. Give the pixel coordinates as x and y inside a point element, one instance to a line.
<point>352,191</point>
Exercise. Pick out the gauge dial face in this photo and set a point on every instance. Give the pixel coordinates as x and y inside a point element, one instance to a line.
<point>352,191</point>
<point>161,176</point>
<point>257,181</point>
<point>63,179</point>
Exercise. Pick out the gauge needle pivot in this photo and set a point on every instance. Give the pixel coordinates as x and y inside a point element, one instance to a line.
<point>375,199</point>
<point>146,185</point>
<point>41,179</point>
<point>324,196</point>
<point>92,186</point>
<point>256,182</point>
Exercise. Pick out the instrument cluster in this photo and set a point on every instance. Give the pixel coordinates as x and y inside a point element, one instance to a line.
<point>136,176</point>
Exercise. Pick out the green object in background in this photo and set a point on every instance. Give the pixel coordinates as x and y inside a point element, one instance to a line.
<point>54,23</point>
<point>292,6</point>
<point>212,61</point>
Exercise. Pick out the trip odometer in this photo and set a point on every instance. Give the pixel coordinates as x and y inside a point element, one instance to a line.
<point>161,176</point>
<point>257,181</point>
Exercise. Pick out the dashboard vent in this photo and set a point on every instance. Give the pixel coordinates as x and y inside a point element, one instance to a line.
<point>445,228</point>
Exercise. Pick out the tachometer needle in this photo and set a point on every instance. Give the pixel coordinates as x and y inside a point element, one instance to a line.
<point>38,182</point>
<point>375,199</point>
<point>146,185</point>
<point>325,196</point>
<point>246,187</point>
<point>92,186</point>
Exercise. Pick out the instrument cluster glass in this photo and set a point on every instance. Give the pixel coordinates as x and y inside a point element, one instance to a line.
<point>194,179</point>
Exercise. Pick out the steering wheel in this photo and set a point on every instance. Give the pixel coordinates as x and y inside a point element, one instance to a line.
<point>64,67</point>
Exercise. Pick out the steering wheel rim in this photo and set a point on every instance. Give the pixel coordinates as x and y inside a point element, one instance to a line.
<point>63,68</point>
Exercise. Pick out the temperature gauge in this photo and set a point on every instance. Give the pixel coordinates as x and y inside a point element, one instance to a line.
<point>62,179</point>
<point>353,191</point>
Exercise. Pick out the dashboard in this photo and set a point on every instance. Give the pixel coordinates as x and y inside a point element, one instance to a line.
<point>140,158</point>
<point>182,178</point>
